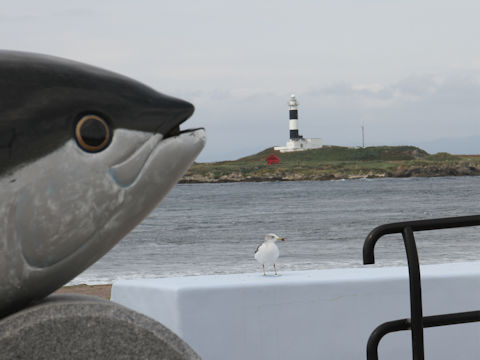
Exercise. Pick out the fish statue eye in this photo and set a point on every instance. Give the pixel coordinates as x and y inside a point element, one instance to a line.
<point>92,133</point>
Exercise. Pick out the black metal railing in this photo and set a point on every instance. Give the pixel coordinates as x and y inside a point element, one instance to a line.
<point>417,322</point>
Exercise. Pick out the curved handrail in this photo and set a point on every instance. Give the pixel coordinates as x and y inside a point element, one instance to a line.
<point>407,229</point>
<point>404,324</point>
<point>417,225</point>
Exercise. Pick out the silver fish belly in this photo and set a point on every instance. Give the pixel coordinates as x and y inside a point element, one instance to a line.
<point>96,174</point>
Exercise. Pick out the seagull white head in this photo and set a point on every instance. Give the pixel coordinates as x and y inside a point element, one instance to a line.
<point>272,238</point>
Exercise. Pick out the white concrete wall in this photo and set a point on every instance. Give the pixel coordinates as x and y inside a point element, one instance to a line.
<point>314,143</point>
<point>324,314</point>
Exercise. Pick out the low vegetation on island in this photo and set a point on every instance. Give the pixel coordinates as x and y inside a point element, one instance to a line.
<point>336,162</point>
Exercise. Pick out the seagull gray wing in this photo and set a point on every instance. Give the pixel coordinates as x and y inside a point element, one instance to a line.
<point>258,247</point>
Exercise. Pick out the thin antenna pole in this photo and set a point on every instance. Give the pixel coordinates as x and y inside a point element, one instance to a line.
<point>363,136</point>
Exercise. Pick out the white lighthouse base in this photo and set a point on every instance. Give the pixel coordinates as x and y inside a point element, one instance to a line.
<point>300,144</point>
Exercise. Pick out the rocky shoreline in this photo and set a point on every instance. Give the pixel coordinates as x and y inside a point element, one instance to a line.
<point>282,174</point>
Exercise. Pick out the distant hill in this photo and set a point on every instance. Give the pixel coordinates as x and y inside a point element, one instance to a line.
<point>336,162</point>
<point>341,153</point>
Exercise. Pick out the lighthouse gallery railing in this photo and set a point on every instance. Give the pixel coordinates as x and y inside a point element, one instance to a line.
<point>417,322</point>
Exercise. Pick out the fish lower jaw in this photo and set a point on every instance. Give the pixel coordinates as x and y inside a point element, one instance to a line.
<point>187,145</point>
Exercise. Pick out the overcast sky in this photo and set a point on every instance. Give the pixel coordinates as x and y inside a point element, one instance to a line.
<point>408,70</point>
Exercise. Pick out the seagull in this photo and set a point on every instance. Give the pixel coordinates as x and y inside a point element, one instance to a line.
<point>267,253</point>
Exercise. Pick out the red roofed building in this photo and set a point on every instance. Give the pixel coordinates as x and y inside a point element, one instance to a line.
<point>272,159</point>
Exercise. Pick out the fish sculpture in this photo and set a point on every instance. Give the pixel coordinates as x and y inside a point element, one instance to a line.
<point>85,155</point>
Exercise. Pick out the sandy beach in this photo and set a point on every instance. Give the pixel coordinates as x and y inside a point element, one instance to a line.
<point>102,291</point>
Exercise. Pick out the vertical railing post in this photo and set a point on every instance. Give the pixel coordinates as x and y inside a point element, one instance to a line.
<point>417,322</point>
<point>416,312</point>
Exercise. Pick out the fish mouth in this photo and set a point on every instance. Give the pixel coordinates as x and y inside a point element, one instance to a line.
<point>128,171</point>
<point>176,132</point>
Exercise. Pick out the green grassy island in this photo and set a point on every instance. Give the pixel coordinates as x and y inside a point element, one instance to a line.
<point>336,162</point>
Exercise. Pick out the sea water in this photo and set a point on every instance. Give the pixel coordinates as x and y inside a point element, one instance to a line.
<point>215,228</point>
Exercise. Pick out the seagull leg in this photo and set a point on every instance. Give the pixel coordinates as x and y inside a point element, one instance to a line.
<point>264,273</point>
<point>275,269</point>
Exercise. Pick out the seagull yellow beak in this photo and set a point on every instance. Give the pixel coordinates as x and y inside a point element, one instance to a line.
<point>280,238</point>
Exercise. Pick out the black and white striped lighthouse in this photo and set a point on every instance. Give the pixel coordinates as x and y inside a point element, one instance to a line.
<point>293,124</point>
<point>296,141</point>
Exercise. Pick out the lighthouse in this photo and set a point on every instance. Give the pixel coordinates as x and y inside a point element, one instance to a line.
<point>293,115</point>
<point>296,141</point>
